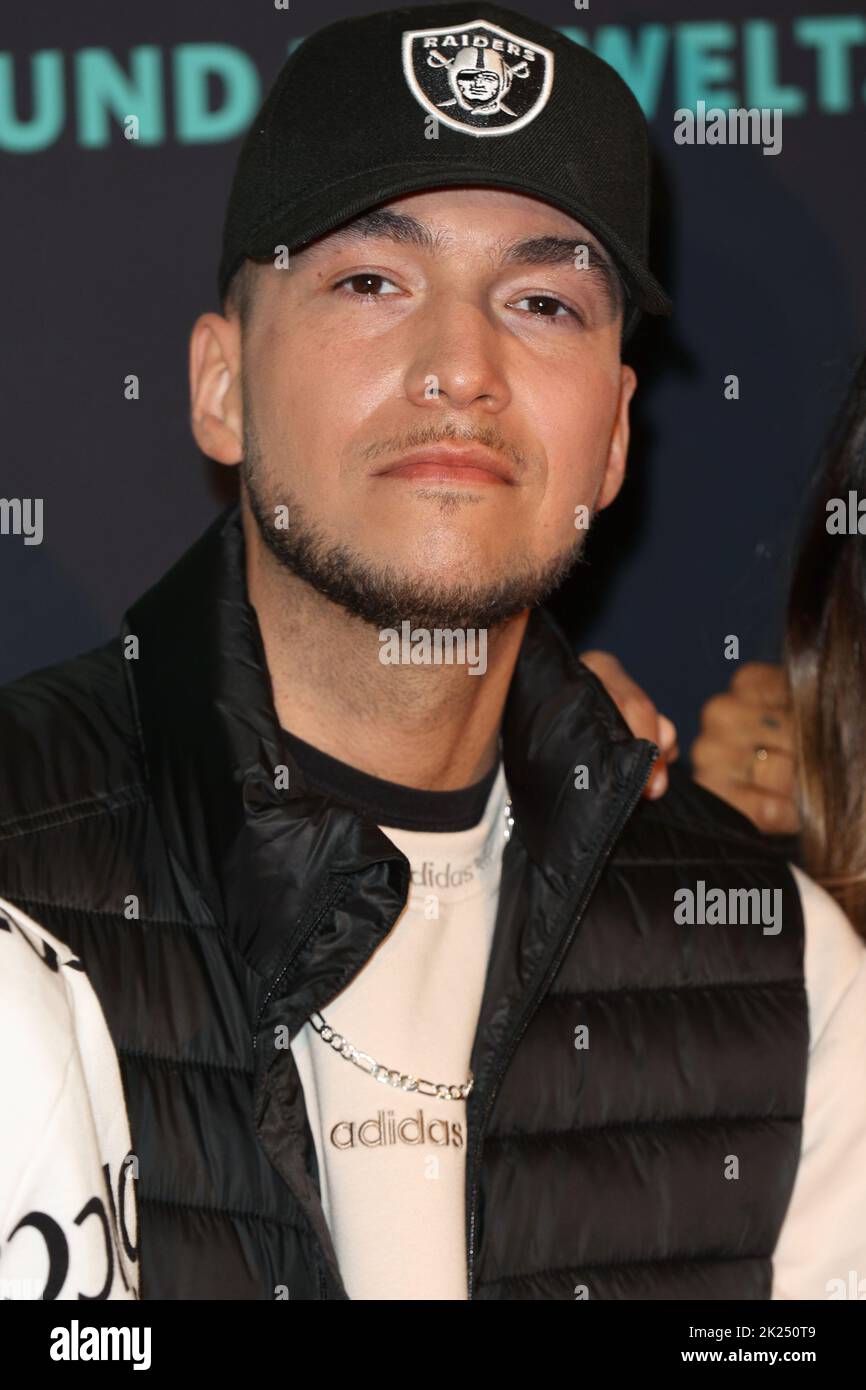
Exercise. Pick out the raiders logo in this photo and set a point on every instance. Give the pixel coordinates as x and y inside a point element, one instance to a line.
<point>479,78</point>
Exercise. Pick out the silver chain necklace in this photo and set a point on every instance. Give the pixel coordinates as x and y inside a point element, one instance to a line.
<point>402,1080</point>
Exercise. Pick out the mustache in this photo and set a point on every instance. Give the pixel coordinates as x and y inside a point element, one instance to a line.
<point>435,434</point>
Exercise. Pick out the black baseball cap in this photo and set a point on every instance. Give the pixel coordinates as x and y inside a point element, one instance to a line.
<point>435,96</point>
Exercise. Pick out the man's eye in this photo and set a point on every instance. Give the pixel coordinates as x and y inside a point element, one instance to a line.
<point>547,300</point>
<point>364,278</point>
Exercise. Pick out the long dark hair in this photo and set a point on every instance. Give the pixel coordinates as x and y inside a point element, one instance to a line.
<point>825,655</point>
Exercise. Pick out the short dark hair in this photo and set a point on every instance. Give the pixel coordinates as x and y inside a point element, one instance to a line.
<point>241,292</point>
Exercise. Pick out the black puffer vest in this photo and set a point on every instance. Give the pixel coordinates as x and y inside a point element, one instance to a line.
<point>140,823</point>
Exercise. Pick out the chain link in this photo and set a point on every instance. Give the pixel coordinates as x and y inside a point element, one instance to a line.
<point>401,1080</point>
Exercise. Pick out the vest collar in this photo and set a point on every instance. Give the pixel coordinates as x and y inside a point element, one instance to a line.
<point>262,857</point>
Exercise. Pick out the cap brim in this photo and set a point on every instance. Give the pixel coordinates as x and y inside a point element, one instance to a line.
<point>302,222</point>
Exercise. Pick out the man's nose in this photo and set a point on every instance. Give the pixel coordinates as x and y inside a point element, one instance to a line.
<point>459,354</point>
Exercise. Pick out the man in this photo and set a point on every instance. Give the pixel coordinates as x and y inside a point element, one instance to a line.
<point>351,845</point>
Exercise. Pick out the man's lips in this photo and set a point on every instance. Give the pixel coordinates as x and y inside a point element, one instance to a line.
<point>449,465</point>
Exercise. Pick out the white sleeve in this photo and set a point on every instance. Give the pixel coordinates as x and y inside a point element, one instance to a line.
<point>821,1250</point>
<point>68,1222</point>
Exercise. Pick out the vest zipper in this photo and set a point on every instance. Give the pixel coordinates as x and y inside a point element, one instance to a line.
<point>333,896</point>
<point>508,1051</point>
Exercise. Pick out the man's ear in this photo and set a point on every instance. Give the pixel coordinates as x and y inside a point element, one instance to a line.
<point>614,473</point>
<point>216,403</point>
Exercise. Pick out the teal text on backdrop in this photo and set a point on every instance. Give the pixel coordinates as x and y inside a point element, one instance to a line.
<point>154,95</point>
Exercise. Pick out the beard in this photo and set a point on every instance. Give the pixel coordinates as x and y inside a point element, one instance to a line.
<point>379,594</point>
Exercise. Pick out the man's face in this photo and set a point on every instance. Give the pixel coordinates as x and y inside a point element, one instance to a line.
<point>370,346</point>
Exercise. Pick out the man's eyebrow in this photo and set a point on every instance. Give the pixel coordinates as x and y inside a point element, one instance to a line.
<point>549,250</point>
<point>380,222</point>
<point>557,250</point>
